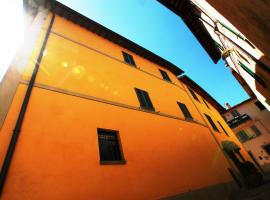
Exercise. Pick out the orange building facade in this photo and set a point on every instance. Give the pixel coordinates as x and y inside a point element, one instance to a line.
<point>105,119</point>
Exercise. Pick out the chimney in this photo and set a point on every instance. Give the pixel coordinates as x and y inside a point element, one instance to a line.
<point>227,106</point>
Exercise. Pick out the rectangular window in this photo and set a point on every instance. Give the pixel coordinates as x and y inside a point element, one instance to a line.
<point>235,113</point>
<point>205,103</point>
<point>194,95</point>
<point>185,110</point>
<point>242,136</point>
<point>256,131</point>
<point>109,146</point>
<point>267,148</point>
<point>223,128</point>
<point>165,75</point>
<point>211,122</point>
<point>260,105</point>
<point>144,99</point>
<point>128,58</point>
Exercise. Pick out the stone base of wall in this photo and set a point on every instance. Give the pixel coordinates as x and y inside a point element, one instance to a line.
<point>266,169</point>
<point>224,191</point>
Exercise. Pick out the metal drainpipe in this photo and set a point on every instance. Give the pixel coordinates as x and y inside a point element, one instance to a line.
<point>17,129</point>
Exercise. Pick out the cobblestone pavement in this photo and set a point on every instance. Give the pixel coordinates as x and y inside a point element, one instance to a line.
<point>260,193</point>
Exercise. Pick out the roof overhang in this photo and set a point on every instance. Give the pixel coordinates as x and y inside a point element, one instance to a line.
<point>108,34</point>
<point>189,13</point>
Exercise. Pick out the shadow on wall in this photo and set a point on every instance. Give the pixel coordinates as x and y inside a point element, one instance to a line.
<point>263,73</point>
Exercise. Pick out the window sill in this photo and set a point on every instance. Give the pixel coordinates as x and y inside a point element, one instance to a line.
<point>149,110</point>
<point>113,162</point>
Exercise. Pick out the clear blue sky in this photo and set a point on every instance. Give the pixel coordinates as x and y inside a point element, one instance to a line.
<point>153,26</point>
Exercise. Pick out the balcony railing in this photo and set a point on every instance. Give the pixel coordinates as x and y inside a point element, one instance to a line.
<point>238,120</point>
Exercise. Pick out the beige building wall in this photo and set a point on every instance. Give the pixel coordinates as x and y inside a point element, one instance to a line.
<point>259,118</point>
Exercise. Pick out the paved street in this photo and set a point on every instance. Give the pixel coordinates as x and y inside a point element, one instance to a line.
<point>260,193</point>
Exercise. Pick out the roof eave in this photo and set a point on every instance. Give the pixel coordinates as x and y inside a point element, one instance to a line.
<point>110,35</point>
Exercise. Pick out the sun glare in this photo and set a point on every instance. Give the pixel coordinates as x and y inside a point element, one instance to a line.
<point>11,34</point>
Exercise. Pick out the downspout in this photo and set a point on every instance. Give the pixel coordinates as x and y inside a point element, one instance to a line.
<point>19,122</point>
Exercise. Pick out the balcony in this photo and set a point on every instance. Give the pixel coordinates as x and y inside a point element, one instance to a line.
<point>238,120</point>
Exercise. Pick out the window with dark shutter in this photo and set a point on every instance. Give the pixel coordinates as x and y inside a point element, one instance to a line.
<point>109,146</point>
<point>165,75</point>
<point>223,128</point>
<point>128,58</point>
<point>144,99</point>
<point>256,131</point>
<point>185,110</point>
<point>267,148</point>
<point>194,95</point>
<point>260,105</point>
<point>205,103</point>
<point>235,113</point>
<point>211,122</point>
<point>242,136</point>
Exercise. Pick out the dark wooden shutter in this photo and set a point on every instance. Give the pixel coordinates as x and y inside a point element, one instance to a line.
<point>109,149</point>
<point>128,58</point>
<point>185,110</point>
<point>206,104</point>
<point>211,122</point>
<point>223,128</point>
<point>144,99</point>
<point>165,75</point>
<point>193,94</point>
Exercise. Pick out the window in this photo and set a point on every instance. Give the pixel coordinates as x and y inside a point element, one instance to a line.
<point>128,58</point>
<point>185,110</point>
<point>194,95</point>
<point>211,122</point>
<point>165,75</point>
<point>144,99</point>
<point>109,147</point>
<point>256,131</point>
<point>235,113</point>
<point>223,128</point>
<point>267,148</point>
<point>242,136</point>
<point>260,105</point>
<point>205,103</point>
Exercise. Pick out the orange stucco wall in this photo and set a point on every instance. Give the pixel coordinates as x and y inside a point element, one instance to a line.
<point>57,155</point>
<point>216,117</point>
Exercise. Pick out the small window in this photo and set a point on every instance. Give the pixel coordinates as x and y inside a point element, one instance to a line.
<point>194,95</point>
<point>223,128</point>
<point>144,99</point>
<point>260,105</point>
<point>256,131</point>
<point>235,113</point>
<point>165,75</point>
<point>185,110</point>
<point>242,136</point>
<point>109,146</point>
<point>128,58</point>
<point>211,122</point>
<point>206,104</point>
<point>267,148</point>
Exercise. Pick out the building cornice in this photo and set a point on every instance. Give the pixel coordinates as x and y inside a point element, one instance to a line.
<point>77,18</point>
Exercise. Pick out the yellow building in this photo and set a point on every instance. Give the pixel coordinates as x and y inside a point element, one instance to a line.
<point>96,116</point>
